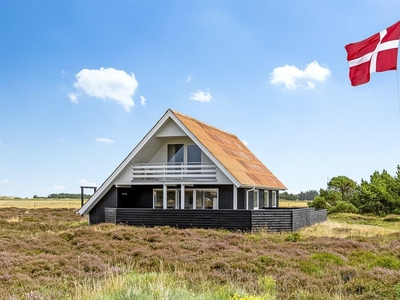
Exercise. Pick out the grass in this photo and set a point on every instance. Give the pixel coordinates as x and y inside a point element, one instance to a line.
<point>40,203</point>
<point>48,253</point>
<point>288,203</point>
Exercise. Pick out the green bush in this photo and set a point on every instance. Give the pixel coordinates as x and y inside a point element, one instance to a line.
<point>318,202</point>
<point>343,207</point>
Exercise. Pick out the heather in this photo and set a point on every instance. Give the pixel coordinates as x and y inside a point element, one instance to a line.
<point>54,254</point>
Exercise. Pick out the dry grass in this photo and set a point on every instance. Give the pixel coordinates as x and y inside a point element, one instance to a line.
<point>344,230</point>
<point>40,203</point>
<point>287,203</point>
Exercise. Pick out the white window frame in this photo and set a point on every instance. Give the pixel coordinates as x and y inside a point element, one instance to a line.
<point>194,191</point>
<point>168,190</point>
<point>252,199</point>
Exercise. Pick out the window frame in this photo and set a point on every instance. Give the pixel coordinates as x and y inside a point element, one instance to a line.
<point>194,193</point>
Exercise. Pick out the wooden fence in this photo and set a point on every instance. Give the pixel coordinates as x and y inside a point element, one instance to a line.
<point>274,219</point>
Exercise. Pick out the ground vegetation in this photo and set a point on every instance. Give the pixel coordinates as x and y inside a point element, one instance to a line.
<point>54,254</point>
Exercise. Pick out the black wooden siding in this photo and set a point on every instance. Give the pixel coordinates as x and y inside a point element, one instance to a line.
<point>137,196</point>
<point>193,218</point>
<point>273,219</point>
<point>241,198</point>
<point>97,214</point>
<point>225,196</point>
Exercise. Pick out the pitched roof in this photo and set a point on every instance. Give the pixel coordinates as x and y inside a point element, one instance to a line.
<point>224,149</point>
<point>233,155</point>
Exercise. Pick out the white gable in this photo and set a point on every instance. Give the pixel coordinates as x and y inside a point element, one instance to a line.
<point>167,129</point>
<point>171,129</point>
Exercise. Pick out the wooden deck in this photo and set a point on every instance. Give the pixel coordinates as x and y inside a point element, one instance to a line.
<point>274,219</point>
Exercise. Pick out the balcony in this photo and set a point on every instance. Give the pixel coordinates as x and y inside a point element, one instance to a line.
<point>174,172</point>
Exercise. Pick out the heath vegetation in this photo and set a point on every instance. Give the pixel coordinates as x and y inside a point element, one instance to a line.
<point>53,254</point>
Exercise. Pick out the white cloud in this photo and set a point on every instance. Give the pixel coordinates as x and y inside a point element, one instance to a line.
<point>189,78</point>
<point>73,97</point>
<point>5,181</point>
<point>109,84</point>
<point>201,96</point>
<point>59,187</point>
<point>143,100</point>
<point>64,74</point>
<point>104,140</point>
<point>292,77</point>
<point>85,182</point>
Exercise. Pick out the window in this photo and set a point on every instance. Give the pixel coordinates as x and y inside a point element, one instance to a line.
<point>266,199</point>
<point>255,199</point>
<point>193,154</point>
<point>273,199</point>
<point>158,199</point>
<point>194,198</point>
<point>175,153</point>
<point>180,153</point>
<point>210,199</point>
<point>171,199</point>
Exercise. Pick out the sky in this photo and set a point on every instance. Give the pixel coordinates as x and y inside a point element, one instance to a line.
<point>82,82</point>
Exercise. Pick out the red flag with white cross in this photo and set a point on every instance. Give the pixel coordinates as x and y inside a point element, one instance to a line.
<point>377,53</point>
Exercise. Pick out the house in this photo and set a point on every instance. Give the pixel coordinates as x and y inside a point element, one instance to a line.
<point>186,173</point>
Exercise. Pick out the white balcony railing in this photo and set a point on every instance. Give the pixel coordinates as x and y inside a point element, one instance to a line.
<point>174,172</point>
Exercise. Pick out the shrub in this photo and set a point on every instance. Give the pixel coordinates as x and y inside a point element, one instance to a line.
<point>293,237</point>
<point>318,202</point>
<point>343,207</point>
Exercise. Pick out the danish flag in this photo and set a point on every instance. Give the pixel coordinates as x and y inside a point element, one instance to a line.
<point>377,53</point>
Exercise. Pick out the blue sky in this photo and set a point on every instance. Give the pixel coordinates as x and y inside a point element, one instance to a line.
<point>81,83</point>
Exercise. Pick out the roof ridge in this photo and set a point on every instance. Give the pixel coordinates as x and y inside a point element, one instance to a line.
<point>201,122</point>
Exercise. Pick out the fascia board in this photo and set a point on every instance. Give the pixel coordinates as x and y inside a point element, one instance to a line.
<point>206,151</point>
<point>262,187</point>
<point>103,189</point>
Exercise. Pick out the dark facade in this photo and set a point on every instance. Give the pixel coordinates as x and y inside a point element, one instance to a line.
<point>134,206</point>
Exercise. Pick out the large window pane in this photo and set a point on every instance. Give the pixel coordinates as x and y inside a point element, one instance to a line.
<point>266,198</point>
<point>199,199</point>
<point>273,198</point>
<point>171,199</point>
<point>210,200</point>
<point>175,153</point>
<point>194,154</point>
<point>255,199</point>
<point>188,199</point>
<point>158,199</point>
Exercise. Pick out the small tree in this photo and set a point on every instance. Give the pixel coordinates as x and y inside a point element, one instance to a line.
<point>344,185</point>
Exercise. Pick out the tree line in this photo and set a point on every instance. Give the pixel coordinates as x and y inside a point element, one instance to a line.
<point>64,196</point>
<point>308,195</point>
<point>380,195</point>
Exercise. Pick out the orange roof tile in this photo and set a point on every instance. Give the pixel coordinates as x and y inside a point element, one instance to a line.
<point>232,154</point>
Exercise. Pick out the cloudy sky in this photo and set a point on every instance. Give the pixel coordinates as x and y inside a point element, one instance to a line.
<point>81,83</point>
